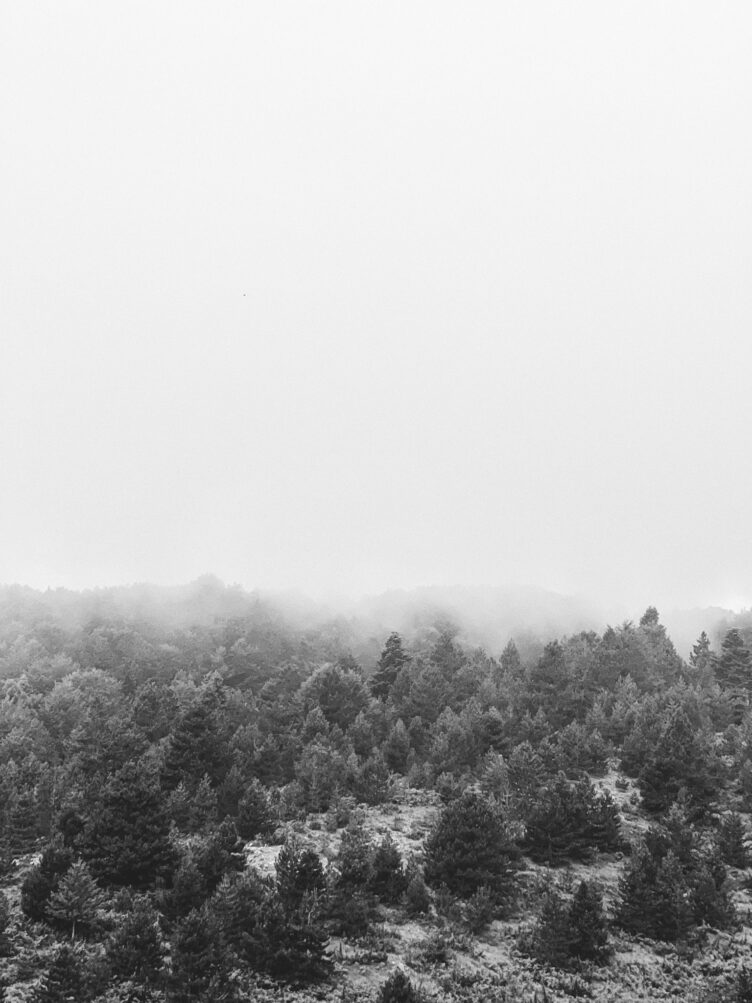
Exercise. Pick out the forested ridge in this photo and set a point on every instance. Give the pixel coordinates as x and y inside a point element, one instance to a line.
<point>209,797</point>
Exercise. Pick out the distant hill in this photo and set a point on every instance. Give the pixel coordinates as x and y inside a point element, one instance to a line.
<point>481,616</point>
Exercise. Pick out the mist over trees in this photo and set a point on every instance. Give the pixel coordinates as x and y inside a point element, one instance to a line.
<point>147,735</point>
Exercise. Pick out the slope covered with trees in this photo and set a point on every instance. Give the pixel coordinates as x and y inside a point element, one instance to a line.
<point>204,798</point>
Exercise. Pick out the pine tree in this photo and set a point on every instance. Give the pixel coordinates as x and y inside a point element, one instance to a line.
<point>731,841</point>
<point>5,941</point>
<point>197,957</point>
<point>681,760</point>
<point>43,879</point>
<point>23,823</point>
<point>468,847</point>
<point>396,747</point>
<point>219,852</point>
<point>202,813</point>
<point>127,841</point>
<point>294,943</point>
<point>77,899</point>
<point>734,667</point>
<point>299,875</point>
<point>392,659</point>
<point>255,817</point>
<point>568,933</point>
<point>388,881</point>
<point>655,895</point>
<point>734,671</point>
<point>550,937</point>
<point>510,662</point>
<point>701,658</point>
<point>188,891</point>
<point>63,982</point>
<point>134,950</point>
<point>587,922</point>
<point>195,748</point>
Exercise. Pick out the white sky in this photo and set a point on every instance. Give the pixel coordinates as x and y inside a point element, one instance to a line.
<point>358,295</point>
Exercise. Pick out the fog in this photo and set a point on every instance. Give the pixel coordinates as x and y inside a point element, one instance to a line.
<point>348,297</point>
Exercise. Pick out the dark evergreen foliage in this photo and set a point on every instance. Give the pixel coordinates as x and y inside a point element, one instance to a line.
<point>126,841</point>
<point>397,989</point>
<point>469,847</point>
<point>392,659</point>
<point>198,958</point>
<point>134,949</point>
<point>197,747</point>
<point>680,762</point>
<point>732,841</point>
<point>116,728</point>
<point>672,883</point>
<point>417,896</point>
<point>255,816</point>
<point>63,981</point>
<point>388,879</point>
<point>43,879</point>
<point>299,875</point>
<point>568,933</point>
<point>569,820</point>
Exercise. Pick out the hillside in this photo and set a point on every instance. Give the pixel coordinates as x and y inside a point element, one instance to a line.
<point>209,797</point>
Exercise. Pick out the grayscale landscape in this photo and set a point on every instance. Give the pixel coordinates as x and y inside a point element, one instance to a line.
<point>375,562</point>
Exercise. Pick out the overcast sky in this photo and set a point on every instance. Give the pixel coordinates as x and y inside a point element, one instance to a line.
<point>367,295</point>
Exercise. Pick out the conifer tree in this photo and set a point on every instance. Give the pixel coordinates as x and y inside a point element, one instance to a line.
<point>510,661</point>
<point>388,881</point>
<point>63,981</point>
<point>734,666</point>
<point>392,659</point>
<point>188,891</point>
<point>550,938</point>
<point>197,958</point>
<point>396,747</point>
<point>196,748</point>
<point>219,852</point>
<point>5,942</point>
<point>566,933</point>
<point>681,760</point>
<point>468,847</point>
<point>732,837</point>
<point>77,899</point>
<point>134,950</point>
<point>587,922</point>
<point>733,671</point>
<point>127,841</point>
<point>701,657</point>
<point>202,813</point>
<point>22,823</point>
<point>255,817</point>
<point>43,879</point>
<point>299,874</point>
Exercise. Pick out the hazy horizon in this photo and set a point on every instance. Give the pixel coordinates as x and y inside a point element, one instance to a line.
<point>352,297</point>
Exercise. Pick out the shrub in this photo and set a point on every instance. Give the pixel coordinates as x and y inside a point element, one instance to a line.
<point>417,897</point>
<point>397,989</point>
<point>480,910</point>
